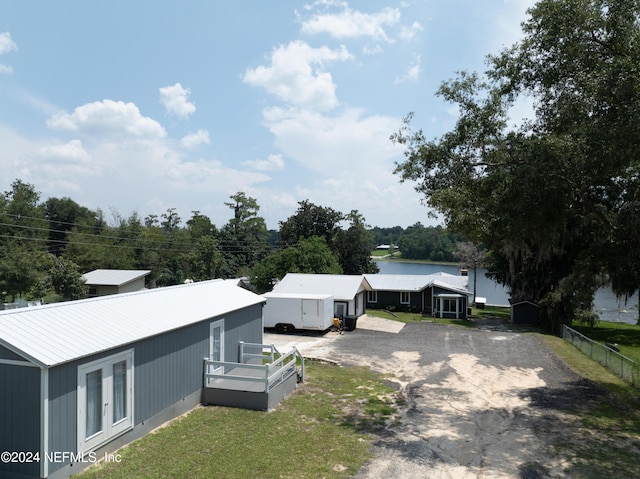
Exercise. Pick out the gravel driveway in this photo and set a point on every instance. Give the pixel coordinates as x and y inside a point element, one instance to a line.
<point>481,403</point>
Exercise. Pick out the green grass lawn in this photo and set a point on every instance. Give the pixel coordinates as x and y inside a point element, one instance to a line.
<point>416,318</point>
<point>626,336</point>
<point>502,312</point>
<point>611,425</point>
<point>488,312</point>
<point>380,252</point>
<point>323,430</point>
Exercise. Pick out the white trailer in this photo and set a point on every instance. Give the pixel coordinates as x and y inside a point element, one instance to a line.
<point>288,312</point>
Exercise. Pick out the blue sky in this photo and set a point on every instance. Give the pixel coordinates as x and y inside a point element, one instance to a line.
<point>148,105</point>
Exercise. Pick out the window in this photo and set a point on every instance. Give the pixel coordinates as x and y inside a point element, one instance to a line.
<point>372,296</point>
<point>105,400</point>
<point>405,297</point>
<point>449,305</point>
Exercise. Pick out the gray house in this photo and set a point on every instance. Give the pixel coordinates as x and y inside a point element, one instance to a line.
<point>440,294</point>
<point>348,291</point>
<point>102,282</point>
<point>83,378</point>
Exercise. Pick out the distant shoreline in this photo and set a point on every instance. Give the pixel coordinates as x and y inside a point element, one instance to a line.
<point>414,261</point>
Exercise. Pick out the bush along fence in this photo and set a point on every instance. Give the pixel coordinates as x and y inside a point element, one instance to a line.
<point>626,368</point>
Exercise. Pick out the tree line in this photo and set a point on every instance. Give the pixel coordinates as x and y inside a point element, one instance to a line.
<point>419,242</point>
<point>48,245</point>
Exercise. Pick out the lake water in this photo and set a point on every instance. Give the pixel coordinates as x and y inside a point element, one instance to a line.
<point>608,307</point>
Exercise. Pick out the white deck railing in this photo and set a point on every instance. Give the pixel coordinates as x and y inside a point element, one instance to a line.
<point>261,376</point>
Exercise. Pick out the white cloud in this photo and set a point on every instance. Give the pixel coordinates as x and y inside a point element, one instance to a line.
<point>175,100</point>
<point>372,50</point>
<point>108,118</point>
<point>412,74</point>
<point>208,176</point>
<point>409,32</point>
<point>71,151</point>
<point>273,162</point>
<point>348,141</point>
<point>353,23</point>
<point>291,77</point>
<point>6,43</point>
<point>193,140</point>
<point>62,161</point>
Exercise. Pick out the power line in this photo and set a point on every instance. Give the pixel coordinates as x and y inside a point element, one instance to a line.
<point>145,240</point>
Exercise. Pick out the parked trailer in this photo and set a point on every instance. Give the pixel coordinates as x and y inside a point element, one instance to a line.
<point>287,312</point>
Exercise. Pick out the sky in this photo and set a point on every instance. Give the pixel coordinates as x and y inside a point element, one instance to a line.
<point>141,106</point>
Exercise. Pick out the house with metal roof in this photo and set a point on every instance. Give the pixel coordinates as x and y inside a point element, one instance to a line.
<point>102,282</point>
<point>440,294</point>
<point>82,378</point>
<point>348,291</point>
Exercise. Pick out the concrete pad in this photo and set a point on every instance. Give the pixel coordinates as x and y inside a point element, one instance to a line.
<point>308,343</point>
<point>379,324</point>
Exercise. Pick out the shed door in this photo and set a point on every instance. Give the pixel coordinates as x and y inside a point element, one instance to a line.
<point>309,312</point>
<point>216,344</point>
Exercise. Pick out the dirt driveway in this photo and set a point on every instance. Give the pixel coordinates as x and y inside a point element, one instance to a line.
<point>481,403</point>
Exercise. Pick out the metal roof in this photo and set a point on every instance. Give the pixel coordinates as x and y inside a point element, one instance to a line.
<point>296,296</point>
<point>342,287</point>
<point>114,277</point>
<point>57,333</point>
<point>417,282</point>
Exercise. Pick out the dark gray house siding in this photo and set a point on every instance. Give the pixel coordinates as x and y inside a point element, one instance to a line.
<point>419,301</point>
<point>167,369</point>
<point>8,354</point>
<point>20,416</point>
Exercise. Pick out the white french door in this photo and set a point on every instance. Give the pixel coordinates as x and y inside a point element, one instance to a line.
<point>216,344</point>
<point>105,400</point>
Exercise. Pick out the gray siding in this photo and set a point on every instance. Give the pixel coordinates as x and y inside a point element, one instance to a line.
<point>167,368</point>
<point>19,416</point>
<point>244,326</point>
<point>8,354</point>
<point>63,415</point>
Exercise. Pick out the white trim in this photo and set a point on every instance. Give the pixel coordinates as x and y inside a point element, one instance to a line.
<point>372,296</point>
<point>408,293</point>
<point>109,430</point>
<point>13,362</point>
<point>217,324</point>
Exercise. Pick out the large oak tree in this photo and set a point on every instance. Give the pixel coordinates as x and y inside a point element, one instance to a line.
<point>556,200</point>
